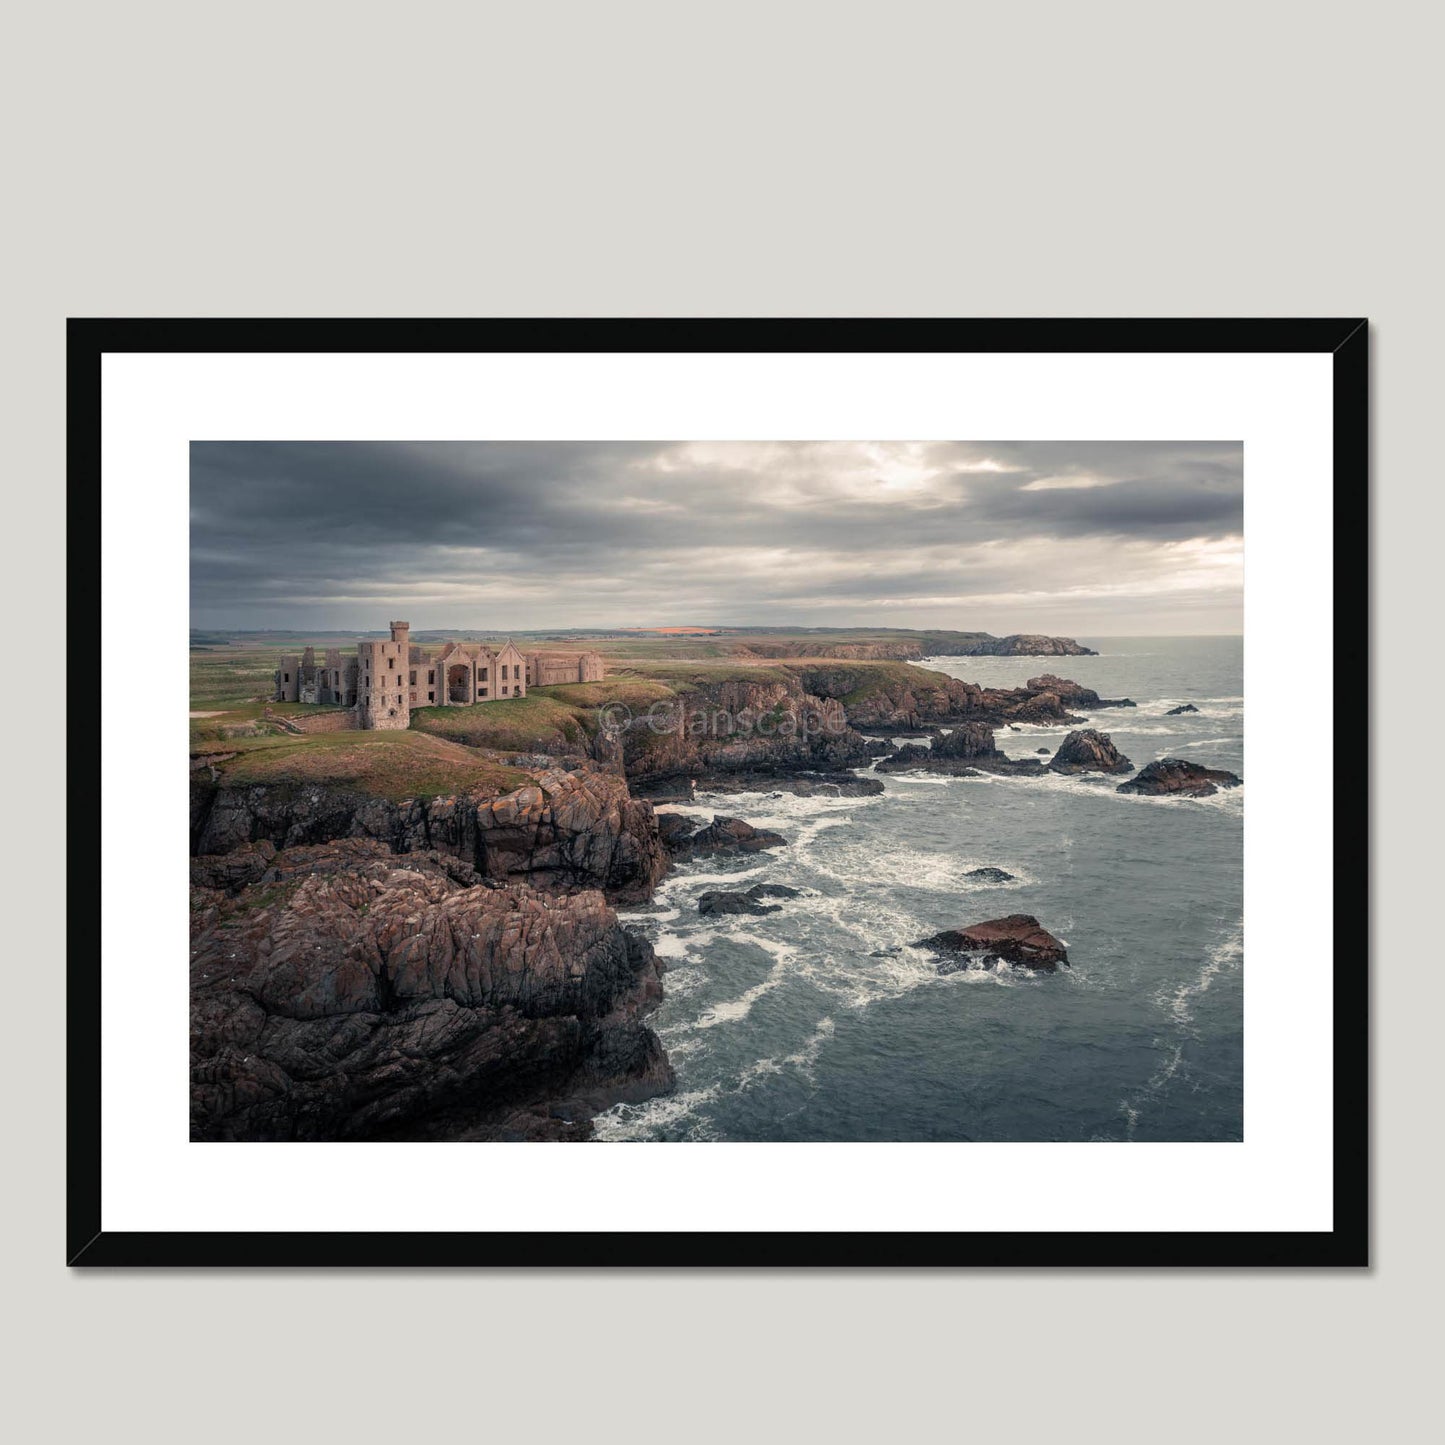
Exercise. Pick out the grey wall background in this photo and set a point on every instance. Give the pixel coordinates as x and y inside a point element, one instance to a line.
<point>813,159</point>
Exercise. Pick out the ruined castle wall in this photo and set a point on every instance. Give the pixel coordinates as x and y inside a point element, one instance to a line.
<point>423,678</point>
<point>557,669</point>
<point>510,674</point>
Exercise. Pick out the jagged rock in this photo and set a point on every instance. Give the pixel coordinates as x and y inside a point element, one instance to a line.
<point>912,758</point>
<point>1181,709</point>
<point>990,875</point>
<point>370,996</point>
<point>1019,938</point>
<point>576,827</point>
<point>1073,694</point>
<point>684,839</point>
<point>966,751</point>
<point>745,900</point>
<point>1178,777</point>
<point>879,748</point>
<point>967,740</point>
<point>1088,751</point>
<point>231,872</point>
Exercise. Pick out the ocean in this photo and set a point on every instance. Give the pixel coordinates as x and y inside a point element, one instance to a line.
<point>821,1022</point>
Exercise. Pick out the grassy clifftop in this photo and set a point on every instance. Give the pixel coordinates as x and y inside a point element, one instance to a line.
<point>391,765</point>
<point>548,719</point>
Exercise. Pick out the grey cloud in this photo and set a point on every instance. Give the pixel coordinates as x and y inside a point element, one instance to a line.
<point>541,534</point>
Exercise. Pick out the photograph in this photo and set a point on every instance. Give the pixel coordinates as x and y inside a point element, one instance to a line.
<point>717,791</point>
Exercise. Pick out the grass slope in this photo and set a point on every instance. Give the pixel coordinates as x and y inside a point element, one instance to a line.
<point>392,765</point>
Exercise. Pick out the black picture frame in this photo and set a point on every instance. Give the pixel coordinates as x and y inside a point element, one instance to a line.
<point>1347,1244</point>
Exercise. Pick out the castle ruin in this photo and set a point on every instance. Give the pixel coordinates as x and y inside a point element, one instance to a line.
<point>386,679</point>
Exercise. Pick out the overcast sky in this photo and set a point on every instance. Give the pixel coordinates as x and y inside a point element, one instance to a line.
<point>1077,538</point>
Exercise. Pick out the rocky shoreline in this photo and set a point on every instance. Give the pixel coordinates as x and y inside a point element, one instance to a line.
<point>452,967</point>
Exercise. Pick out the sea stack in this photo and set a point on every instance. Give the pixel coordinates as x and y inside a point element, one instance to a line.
<point>1087,751</point>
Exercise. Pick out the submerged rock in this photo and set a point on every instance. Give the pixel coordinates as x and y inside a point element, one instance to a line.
<point>1019,938</point>
<point>1088,751</point>
<point>1180,778</point>
<point>744,900</point>
<point>1182,708</point>
<point>990,875</point>
<point>803,784</point>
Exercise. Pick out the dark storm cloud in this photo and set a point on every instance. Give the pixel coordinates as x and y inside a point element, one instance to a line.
<point>537,534</point>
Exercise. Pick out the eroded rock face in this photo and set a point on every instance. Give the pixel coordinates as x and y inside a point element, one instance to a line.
<point>731,726</point>
<point>1088,751</point>
<point>684,839</point>
<point>1178,777</point>
<point>922,698</point>
<point>362,995</point>
<point>968,740</point>
<point>1019,938</point>
<point>576,827</point>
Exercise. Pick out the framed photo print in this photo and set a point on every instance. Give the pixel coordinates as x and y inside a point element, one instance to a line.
<point>713,792</point>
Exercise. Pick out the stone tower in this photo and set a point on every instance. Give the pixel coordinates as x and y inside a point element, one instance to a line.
<point>381,686</point>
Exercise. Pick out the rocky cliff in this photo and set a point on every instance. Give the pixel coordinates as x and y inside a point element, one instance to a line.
<point>572,827</point>
<point>1028,644</point>
<point>348,993</point>
<point>750,727</point>
<point>906,698</point>
<point>914,646</point>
